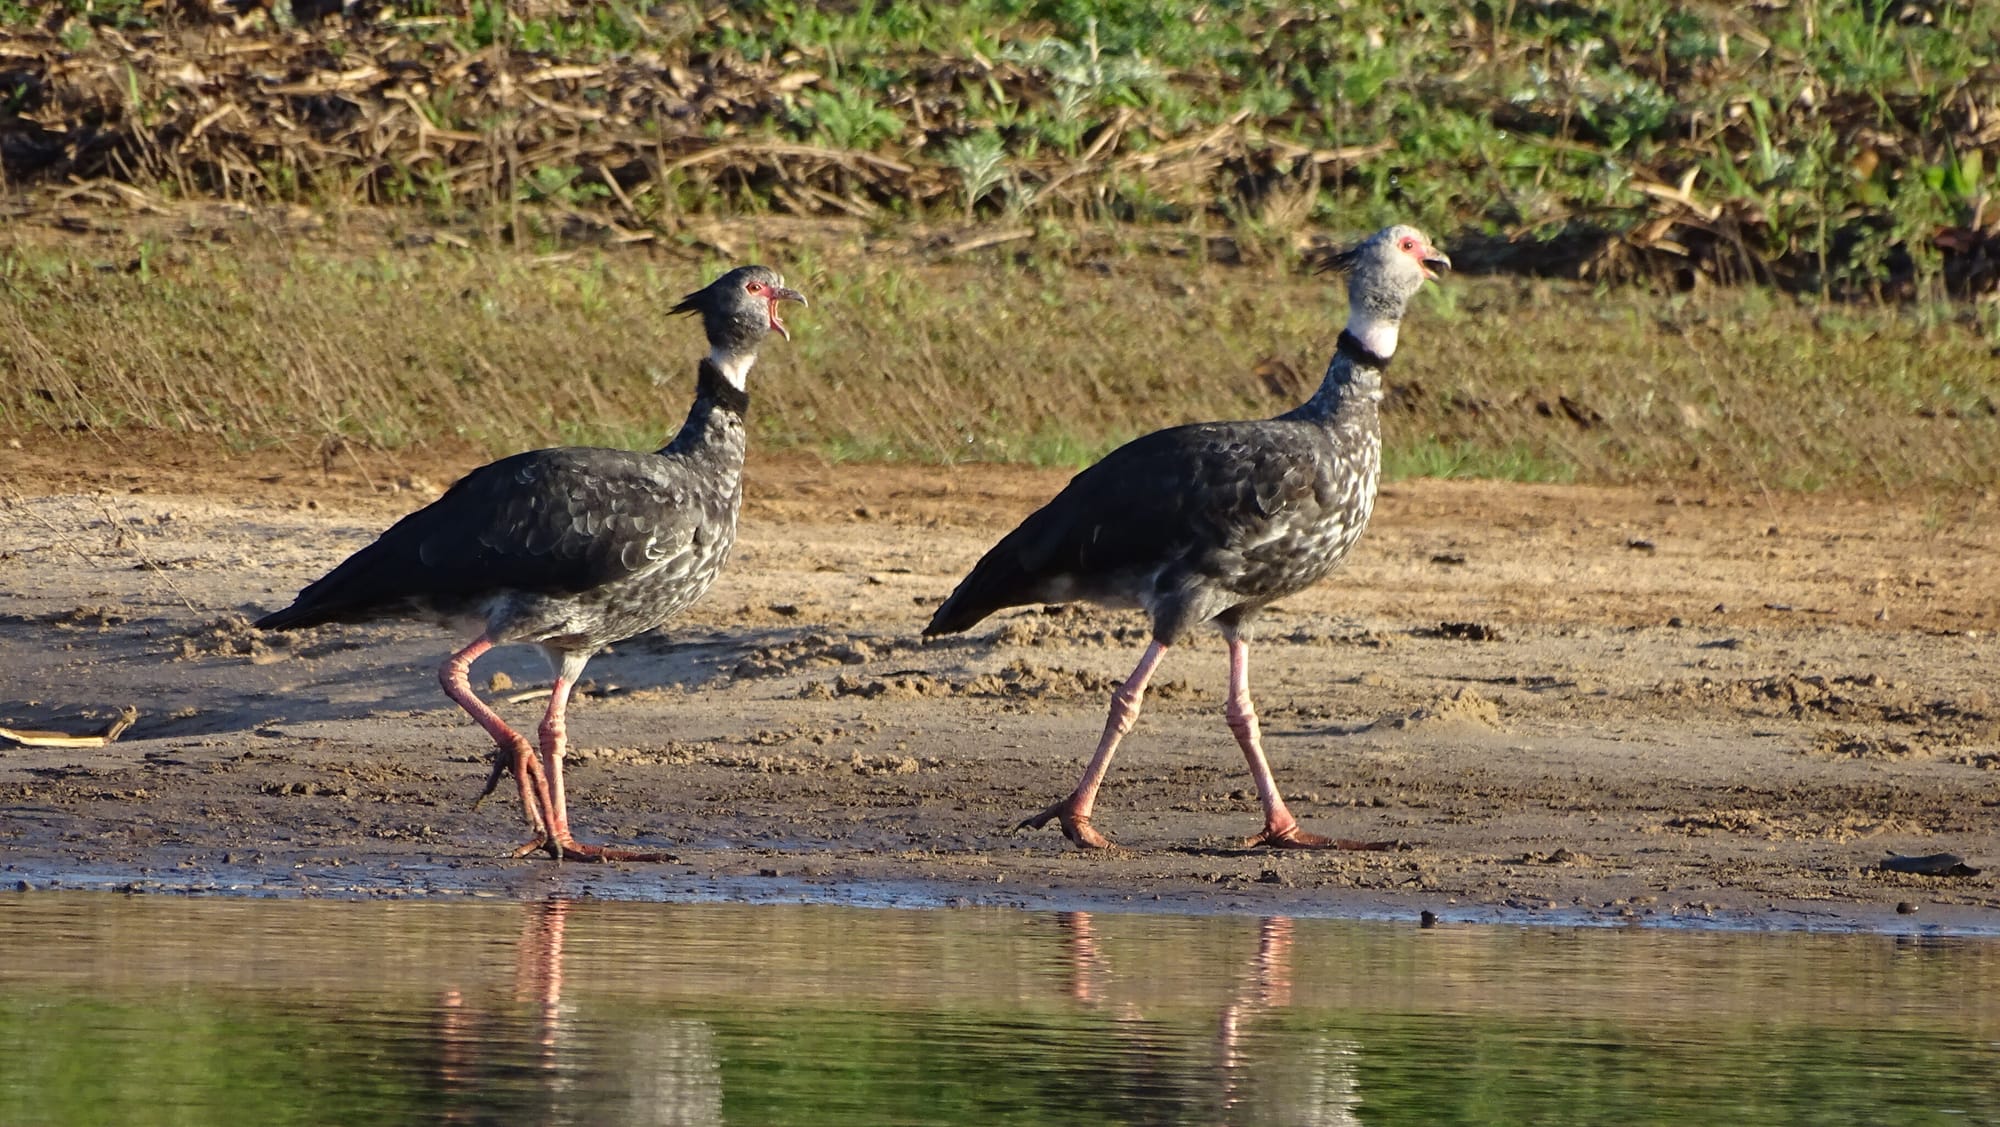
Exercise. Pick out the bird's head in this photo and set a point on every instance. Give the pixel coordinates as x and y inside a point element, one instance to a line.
<point>1384,271</point>
<point>1388,267</point>
<point>740,308</point>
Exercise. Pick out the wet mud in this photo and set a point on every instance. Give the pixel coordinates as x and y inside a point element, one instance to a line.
<point>1560,702</point>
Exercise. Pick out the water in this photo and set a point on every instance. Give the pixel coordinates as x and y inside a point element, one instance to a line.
<point>117,1010</point>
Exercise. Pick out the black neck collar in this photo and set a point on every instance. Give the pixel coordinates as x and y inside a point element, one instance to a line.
<point>710,384</point>
<point>1351,347</point>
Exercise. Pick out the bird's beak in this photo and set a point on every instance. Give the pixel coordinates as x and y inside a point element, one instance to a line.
<point>778,294</point>
<point>1434,260</point>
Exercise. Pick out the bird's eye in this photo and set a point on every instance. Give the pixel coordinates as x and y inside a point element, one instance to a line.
<point>753,287</point>
<point>1409,243</point>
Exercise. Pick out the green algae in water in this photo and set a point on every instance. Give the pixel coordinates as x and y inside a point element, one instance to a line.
<point>143,1011</point>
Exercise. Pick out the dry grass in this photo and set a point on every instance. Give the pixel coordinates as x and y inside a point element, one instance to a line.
<point>1842,148</point>
<point>417,222</point>
<point>227,327</point>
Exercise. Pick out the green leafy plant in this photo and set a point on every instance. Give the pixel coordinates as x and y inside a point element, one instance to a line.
<point>560,184</point>
<point>981,163</point>
<point>848,118</point>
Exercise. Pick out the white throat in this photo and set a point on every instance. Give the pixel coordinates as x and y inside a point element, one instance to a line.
<point>1375,334</point>
<point>734,368</point>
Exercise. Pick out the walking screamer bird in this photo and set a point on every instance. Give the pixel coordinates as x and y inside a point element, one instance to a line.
<point>570,549</point>
<point>1212,522</point>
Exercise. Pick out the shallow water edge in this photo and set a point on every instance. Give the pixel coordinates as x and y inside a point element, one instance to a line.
<point>279,877</point>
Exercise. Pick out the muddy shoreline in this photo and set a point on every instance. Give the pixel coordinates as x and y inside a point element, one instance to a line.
<point>1567,704</point>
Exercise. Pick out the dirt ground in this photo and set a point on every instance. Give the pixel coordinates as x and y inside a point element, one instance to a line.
<point>1564,703</point>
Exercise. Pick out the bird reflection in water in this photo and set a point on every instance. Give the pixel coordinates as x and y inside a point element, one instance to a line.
<point>1307,1078</point>
<point>538,970</point>
<point>562,1041</point>
<point>529,1056</point>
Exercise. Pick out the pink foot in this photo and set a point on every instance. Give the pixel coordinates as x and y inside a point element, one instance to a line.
<point>1292,837</point>
<point>1075,827</point>
<point>570,849</point>
<point>567,848</point>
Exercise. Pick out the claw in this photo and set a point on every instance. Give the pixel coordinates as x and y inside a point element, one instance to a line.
<point>574,850</point>
<point>1292,837</point>
<point>505,766</point>
<point>570,849</point>
<point>501,769</point>
<point>1075,827</point>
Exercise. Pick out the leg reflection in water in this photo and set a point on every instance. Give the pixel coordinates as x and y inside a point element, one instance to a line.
<point>1262,1074</point>
<point>543,1052</point>
<point>538,971</point>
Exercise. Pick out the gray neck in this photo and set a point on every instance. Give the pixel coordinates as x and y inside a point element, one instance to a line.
<point>1352,385</point>
<point>1348,394</point>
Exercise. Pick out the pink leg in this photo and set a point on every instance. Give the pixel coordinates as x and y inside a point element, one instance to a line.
<point>1074,812</point>
<point>514,756</point>
<point>1281,830</point>
<point>555,734</point>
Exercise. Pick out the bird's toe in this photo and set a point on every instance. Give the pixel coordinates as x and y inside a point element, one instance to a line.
<point>1292,837</point>
<point>1079,830</point>
<point>1076,827</point>
<point>570,849</point>
<point>535,845</point>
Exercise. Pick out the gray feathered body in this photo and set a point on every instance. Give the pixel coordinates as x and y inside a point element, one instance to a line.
<point>571,548</point>
<point>1211,521</point>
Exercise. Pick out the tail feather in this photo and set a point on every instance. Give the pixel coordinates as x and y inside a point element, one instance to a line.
<point>376,575</point>
<point>321,602</point>
<point>1034,563</point>
<point>295,617</point>
<point>996,582</point>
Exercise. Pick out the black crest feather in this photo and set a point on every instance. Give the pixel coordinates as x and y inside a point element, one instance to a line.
<point>1339,261</point>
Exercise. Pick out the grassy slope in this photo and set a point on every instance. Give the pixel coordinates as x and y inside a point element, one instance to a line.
<point>1827,143</point>
<point>297,339</point>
